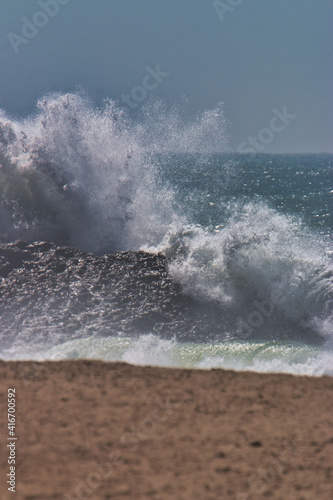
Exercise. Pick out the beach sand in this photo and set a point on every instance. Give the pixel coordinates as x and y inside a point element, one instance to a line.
<point>88,429</point>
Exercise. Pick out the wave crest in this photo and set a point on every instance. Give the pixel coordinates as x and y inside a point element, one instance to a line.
<point>82,176</point>
<point>258,263</point>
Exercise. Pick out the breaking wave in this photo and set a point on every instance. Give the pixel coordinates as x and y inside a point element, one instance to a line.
<point>91,179</point>
<point>82,176</point>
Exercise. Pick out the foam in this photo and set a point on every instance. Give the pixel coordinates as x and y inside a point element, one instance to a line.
<point>82,176</point>
<point>265,357</point>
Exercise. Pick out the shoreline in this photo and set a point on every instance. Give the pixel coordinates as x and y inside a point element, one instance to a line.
<point>92,429</point>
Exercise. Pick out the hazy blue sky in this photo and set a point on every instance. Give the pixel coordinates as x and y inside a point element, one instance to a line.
<point>264,54</point>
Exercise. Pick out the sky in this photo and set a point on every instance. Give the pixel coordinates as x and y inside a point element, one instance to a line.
<point>261,58</point>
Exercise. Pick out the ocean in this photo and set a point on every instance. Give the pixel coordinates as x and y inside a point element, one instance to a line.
<point>145,240</point>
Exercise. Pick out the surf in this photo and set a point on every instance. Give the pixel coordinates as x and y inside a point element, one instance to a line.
<point>96,181</point>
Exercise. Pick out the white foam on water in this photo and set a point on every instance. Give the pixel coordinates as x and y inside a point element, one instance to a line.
<point>83,176</point>
<point>258,262</point>
<point>265,357</point>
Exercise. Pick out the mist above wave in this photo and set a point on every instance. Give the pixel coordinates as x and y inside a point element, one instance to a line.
<point>82,176</point>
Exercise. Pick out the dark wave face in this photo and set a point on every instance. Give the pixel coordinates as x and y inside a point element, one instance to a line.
<point>212,247</point>
<point>51,294</point>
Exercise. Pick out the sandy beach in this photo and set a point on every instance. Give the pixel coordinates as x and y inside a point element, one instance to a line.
<point>88,429</point>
